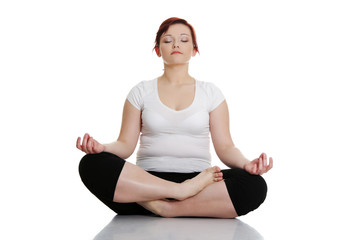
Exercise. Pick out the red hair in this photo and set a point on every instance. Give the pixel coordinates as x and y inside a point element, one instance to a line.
<point>165,26</point>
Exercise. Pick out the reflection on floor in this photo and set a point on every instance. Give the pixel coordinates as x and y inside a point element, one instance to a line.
<point>152,227</point>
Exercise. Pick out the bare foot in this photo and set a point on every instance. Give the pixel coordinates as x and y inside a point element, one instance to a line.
<point>186,189</point>
<point>193,186</point>
<point>157,207</point>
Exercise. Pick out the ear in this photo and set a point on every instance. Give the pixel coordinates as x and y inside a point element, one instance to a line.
<point>157,50</point>
<point>194,52</point>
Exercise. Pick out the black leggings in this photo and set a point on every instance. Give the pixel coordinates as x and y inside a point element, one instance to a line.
<point>100,173</point>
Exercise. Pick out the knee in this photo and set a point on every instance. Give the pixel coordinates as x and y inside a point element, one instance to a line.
<point>88,169</point>
<point>99,173</point>
<point>258,190</point>
<point>87,166</point>
<point>249,191</point>
<point>255,195</point>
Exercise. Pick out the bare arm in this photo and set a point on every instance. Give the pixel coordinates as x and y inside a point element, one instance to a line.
<point>221,137</point>
<point>225,148</point>
<point>129,133</point>
<point>127,140</point>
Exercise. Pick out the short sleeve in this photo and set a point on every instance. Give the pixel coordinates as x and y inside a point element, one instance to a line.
<point>135,96</point>
<point>215,96</point>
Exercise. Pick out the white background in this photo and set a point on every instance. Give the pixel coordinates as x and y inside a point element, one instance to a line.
<point>289,71</point>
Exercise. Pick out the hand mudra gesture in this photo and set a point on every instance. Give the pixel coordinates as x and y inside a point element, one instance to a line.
<point>89,145</point>
<point>259,165</point>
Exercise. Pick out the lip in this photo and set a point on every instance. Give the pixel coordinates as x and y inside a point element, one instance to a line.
<point>176,52</point>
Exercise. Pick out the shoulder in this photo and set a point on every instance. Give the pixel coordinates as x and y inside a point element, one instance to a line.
<point>208,87</point>
<point>144,85</point>
<point>139,91</point>
<point>143,88</point>
<point>213,94</point>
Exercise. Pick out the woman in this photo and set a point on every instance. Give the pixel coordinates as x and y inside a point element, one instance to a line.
<point>174,114</point>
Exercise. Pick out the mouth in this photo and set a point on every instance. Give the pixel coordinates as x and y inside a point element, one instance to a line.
<point>176,52</point>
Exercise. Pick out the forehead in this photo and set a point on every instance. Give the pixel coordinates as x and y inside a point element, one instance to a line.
<point>178,29</point>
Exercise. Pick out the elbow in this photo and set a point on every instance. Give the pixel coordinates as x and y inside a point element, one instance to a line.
<point>127,154</point>
<point>128,150</point>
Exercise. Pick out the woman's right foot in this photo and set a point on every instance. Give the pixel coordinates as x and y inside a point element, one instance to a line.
<point>194,185</point>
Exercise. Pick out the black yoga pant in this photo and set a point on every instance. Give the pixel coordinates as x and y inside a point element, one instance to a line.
<point>100,173</point>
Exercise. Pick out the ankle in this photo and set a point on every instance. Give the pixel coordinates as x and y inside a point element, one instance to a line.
<point>187,189</point>
<point>181,191</point>
<point>165,209</point>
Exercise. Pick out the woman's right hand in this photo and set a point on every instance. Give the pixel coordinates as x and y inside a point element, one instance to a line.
<point>89,145</point>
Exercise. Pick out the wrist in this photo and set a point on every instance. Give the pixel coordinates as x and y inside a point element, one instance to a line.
<point>105,147</point>
<point>245,162</point>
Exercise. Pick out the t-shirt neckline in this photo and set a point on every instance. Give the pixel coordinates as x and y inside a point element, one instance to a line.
<point>169,108</point>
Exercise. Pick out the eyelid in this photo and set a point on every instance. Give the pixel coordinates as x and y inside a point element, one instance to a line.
<point>169,39</point>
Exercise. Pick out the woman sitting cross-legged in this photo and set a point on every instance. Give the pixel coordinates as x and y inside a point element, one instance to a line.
<point>174,116</point>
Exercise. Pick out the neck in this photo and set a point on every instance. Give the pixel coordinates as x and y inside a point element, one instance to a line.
<point>176,74</point>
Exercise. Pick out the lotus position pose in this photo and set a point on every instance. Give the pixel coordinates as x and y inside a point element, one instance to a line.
<point>174,115</point>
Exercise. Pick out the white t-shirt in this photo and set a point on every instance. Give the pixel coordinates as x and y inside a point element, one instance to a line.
<point>170,140</point>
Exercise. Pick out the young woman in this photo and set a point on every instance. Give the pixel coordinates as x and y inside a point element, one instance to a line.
<point>174,115</point>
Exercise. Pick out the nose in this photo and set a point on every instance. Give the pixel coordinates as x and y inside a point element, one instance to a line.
<point>176,44</point>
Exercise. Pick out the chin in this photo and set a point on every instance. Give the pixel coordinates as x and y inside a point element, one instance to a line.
<point>177,62</point>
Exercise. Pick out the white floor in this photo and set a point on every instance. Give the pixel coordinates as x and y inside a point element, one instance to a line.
<point>151,227</point>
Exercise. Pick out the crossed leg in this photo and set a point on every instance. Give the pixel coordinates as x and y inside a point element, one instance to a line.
<point>136,185</point>
<point>213,201</point>
<point>204,195</point>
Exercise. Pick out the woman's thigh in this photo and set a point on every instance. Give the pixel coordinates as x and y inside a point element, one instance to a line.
<point>99,173</point>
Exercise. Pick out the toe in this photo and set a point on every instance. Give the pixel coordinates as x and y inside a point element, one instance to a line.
<point>219,179</point>
<point>217,169</point>
<point>218,175</point>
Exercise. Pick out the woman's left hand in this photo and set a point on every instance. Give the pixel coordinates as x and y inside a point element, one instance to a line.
<point>259,165</point>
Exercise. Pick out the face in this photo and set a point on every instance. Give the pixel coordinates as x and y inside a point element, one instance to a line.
<point>176,45</point>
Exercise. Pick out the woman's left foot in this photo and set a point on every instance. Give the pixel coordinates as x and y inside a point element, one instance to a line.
<point>158,207</point>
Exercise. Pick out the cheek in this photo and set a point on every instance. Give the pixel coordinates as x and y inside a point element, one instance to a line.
<point>164,49</point>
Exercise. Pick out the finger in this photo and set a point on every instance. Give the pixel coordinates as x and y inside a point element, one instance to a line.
<point>261,165</point>
<point>85,142</point>
<point>264,164</point>
<point>90,145</point>
<point>265,159</point>
<point>254,169</point>
<point>93,145</point>
<point>271,163</point>
<point>78,140</point>
<point>269,166</point>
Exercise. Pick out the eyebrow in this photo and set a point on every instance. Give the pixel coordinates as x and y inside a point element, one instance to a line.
<point>169,35</point>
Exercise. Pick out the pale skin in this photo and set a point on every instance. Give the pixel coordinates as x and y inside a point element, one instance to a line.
<point>206,194</point>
